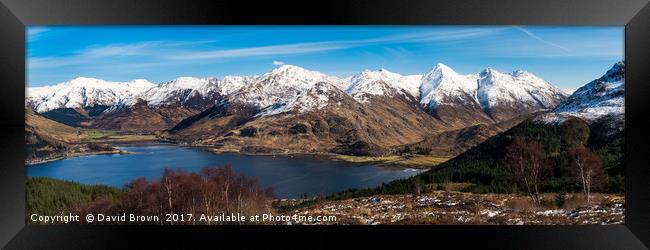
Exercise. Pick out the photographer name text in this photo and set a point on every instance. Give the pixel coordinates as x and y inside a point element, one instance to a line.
<point>177,218</point>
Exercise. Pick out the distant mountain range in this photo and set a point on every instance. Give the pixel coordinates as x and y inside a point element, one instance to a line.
<point>592,117</point>
<point>490,95</point>
<point>295,109</point>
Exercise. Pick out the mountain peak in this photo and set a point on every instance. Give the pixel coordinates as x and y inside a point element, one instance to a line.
<point>385,71</point>
<point>186,82</point>
<point>443,69</point>
<point>488,71</point>
<point>84,92</point>
<point>288,68</point>
<point>380,82</point>
<point>599,98</point>
<point>84,81</point>
<point>295,76</point>
<point>438,72</point>
<point>616,73</point>
<point>618,66</point>
<point>443,83</point>
<point>83,78</point>
<point>378,74</point>
<point>441,65</point>
<point>185,78</point>
<point>99,83</point>
<point>520,72</point>
<point>518,90</point>
<point>139,81</point>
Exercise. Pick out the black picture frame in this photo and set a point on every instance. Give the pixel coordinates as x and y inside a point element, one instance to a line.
<point>16,14</point>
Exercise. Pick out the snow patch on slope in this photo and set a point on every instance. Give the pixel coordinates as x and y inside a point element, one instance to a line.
<point>316,98</point>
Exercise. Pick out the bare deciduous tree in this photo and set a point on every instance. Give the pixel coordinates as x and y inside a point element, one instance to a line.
<point>208,192</point>
<point>587,167</point>
<point>527,164</point>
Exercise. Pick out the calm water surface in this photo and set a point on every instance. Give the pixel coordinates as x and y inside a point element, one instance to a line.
<point>290,177</point>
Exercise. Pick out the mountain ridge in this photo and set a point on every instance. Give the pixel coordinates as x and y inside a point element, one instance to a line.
<point>286,79</point>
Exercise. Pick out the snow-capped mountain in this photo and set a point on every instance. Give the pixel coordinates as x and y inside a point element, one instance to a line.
<point>442,85</point>
<point>179,90</point>
<point>598,98</point>
<point>368,83</point>
<point>184,90</point>
<point>168,103</point>
<point>84,92</point>
<point>516,92</point>
<point>292,88</point>
<point>500,96</point>
<point>315,98</point>
<point>231,84</point>
<point>459,100</point>
<point>282,87</point>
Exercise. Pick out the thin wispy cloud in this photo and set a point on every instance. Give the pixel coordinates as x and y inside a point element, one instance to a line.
<point>278,63</point>
<point>577,54</point>
<point>179,51</point>
<point>94,54</point>
<point>149,48</point>
<point>536,37</point>
<point>120,50</point>
<point>442,36</point>
<point>318,47</point>
<point>33,33</point>
<point>274,50</point>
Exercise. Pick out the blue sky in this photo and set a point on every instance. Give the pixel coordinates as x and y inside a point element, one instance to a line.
<point>568,57</point>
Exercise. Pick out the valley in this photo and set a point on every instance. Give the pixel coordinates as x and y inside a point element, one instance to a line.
<point>47,140</point>
<point>384,136</point>
<point>371,117</point>
<point>292,110</point>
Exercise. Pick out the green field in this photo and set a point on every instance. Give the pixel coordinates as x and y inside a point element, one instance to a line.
<point>413,161</point>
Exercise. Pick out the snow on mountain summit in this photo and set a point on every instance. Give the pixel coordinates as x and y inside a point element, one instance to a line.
<point>442,83</point>
<point>517,88</point>
<point>176,91</point>
<point>300,78</point>
<point>601,97</point>
<point>282,86</point>
<point>84,92</point>
<point>366,82</point>
<point>488,94</point>
<point>286,86</point>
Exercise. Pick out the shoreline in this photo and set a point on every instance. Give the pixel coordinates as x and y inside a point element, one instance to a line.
<point>113,144</point>
<point>394,162</point>
<point>391,161</point>
<point>119,151</point>
<point>398,161</point>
